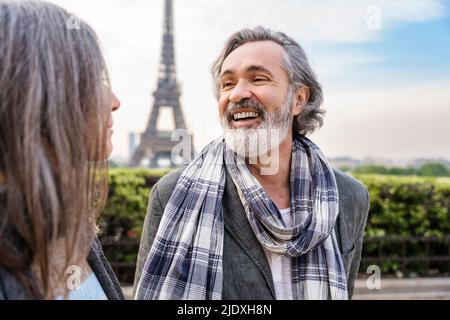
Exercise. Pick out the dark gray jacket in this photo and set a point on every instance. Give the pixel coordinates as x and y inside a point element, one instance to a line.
<point>247,274</point>
<point>11,288</point>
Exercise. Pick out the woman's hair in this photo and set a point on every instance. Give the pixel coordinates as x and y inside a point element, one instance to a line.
<point>53,116</point>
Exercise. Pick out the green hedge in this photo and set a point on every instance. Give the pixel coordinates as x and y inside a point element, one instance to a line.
<point>125,210</point>
<point>123,217</point>
<point>407,206</point>
<point>403,207</point>
<point>400,206</point>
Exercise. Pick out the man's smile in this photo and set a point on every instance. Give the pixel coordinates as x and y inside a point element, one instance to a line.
<point>244,117</point>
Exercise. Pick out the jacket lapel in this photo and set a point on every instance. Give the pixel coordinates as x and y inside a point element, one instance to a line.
<point>104,272</point>
<point>238,226</point>
<point>344,224</point>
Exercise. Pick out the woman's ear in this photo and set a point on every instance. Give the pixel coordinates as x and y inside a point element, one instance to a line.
<point>302,98</point>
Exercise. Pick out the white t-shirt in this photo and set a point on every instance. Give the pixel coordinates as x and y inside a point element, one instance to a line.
<point>281,266</point>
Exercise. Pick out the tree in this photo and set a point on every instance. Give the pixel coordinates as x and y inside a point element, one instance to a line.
<point>434,170</point>
<point>370,168</point>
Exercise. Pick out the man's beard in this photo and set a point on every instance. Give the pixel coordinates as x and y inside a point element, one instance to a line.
<point>256,142</point>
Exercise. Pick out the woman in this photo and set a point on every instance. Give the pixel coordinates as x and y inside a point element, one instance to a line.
<point>55,137</point>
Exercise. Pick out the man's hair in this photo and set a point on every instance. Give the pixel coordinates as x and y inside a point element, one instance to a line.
<point>296,65</point>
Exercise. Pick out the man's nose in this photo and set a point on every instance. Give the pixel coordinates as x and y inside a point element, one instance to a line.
<point>240,92</point>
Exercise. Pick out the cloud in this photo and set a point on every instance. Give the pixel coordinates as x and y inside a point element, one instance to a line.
<point>319,20</point>
<point>334,64</point>
<point>401,122</point>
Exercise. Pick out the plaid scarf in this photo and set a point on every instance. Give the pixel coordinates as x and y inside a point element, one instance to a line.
<point>185,261</point>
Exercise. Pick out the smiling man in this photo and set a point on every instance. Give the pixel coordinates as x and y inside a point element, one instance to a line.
<point>225,228</point>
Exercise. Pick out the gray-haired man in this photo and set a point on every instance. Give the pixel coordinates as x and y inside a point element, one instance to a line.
<point>260,214</point>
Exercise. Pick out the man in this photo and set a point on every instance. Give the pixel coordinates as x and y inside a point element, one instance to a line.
<point>259,214</point>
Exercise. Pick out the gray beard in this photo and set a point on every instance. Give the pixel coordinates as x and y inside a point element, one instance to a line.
<point>255,143</point>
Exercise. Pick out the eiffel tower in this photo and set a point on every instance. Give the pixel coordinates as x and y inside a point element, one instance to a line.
<point>156,144</point>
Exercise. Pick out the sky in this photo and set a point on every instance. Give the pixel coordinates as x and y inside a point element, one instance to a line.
<point>384,66</point>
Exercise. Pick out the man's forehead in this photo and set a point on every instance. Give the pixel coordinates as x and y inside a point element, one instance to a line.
<point>265,54</point>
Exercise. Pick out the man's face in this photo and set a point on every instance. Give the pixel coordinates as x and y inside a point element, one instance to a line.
<point>254,94</point>
<point>252,72</point>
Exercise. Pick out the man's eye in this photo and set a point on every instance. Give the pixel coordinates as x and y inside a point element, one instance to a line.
<point>260,79</point>
<point>227,84</point>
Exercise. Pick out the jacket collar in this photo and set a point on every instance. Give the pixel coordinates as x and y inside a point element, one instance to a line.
<point>104,272</point>
<point>237,225</point>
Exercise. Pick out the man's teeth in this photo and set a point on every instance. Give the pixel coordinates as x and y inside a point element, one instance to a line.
<point>244,115</point>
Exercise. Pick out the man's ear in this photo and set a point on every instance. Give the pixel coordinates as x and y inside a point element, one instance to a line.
<point>302,98</point>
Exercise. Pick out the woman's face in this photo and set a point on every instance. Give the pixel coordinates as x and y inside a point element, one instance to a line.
<point>115,105</point>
